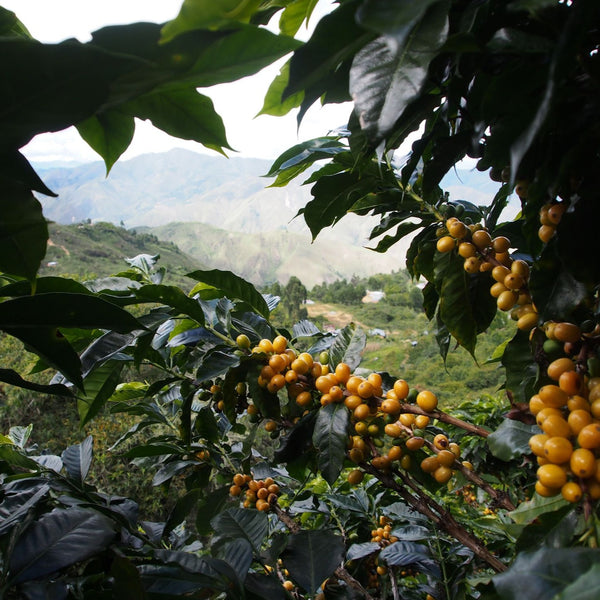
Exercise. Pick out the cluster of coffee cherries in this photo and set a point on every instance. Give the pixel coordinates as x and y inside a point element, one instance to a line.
<point>550,216</point>
<point>405,435</point>
<point>568,413</point>
<point>382,534</point>
<point>482,253</point>
<point>385,428</point>
<point>260,494</point>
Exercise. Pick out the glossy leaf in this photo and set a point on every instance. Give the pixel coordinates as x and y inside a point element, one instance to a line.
<point>234,287</point>
<point>465,305</point>
<point>330,438</point>
<point>238,554</point>
<point>237,523</point>
<point>552,529</point>
<point>521,369</point>
<point>52,346</point>
<point>13,378</point>
<point>511,439</point>
<point>403,554</point>
<point>390,72</point>
<point>78,459</point>
<point>348,346</point>
<point>172,296</point>
<point>99,384</point>
<point>358,551</point>
<point>59,539</point>
<point>56,309</point>
<point>216,363</point>
<point>312,556</point>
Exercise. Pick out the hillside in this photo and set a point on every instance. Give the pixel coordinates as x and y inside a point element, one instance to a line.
<point>97,250</point>
<point>277,255</point>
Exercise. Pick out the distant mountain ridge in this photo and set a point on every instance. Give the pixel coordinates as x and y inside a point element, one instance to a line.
<point>171,191</point>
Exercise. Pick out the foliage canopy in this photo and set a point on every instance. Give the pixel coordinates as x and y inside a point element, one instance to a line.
<point>513,85</point>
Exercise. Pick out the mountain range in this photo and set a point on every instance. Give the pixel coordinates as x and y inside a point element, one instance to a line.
<point>221,212</point>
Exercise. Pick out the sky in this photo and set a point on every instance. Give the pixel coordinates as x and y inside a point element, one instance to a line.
<point>52,21</point>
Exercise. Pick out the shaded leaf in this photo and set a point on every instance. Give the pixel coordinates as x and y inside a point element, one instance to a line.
<point>357,551</point>
<point>24,230</point>
<point>330,437</point>
<point>348,346</point>
<point>544,573</point>
<point>78,459</point>
<point>511,439</point>
<point>59,539</point>
<point>13,378</point>
<point>109,133</point>
<point>312,556</point>
<point>234,287</point>
<point>182,113</point>
<point>237,523</point>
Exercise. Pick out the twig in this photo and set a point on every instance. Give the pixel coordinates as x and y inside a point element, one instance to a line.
<point>434,512</point>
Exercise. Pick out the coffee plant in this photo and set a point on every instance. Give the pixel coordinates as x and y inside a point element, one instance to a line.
<point>297,473</point>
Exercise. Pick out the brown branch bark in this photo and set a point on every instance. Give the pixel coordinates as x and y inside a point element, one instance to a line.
<point>446,418</point>
<point>435,513</point>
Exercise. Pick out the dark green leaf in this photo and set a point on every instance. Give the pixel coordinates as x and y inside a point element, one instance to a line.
<point>511,439</point>
<point>78,459</point>
<point>553,529</point>
<point>206,425</point>
<point>216,363</point>
<point>298,440</point>
<point>333,197</point>
<point>465,306</point>
<point>235,54</point>
<point>330,437</point>
<point>171,469</point>
<point>238,554</point>
<point>172,296</point>
<point>182,113</point>
<point>392,17</point>
<point>59,539</point>
<point>358,551</point>
<point>65,310</point>
<point>521,368</point>
<point>348,346</point>
<point>14,166</point>
<point>52,346</point>
<point>389,73</point>
<point>156,449</point>
<point>237,523</point>
<point>99,384</point>
<point>585,587</point>
<point>545,573</point>
<point>259,587</point>
<point>109,134</point>
<point>404,554</point>
<point>13,378</point>
<point>208,507</point>
<point>312,556</point>
<point>24,233</point>
<point>234,287</point>
<point>336,37</point>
